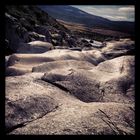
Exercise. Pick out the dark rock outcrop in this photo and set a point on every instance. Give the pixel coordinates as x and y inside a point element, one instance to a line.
<point>21,27</point>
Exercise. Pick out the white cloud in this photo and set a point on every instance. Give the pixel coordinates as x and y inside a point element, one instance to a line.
<point>126,9</point>
<point>113,12</point>
<point>115,18</point>
<point>121,18</point>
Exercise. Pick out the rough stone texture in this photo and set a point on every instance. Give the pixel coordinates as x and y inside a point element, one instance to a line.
<point>28,109</point>
<point>83,120</point>
<point>118,48</point>
<point>60,113</point>
<point>24,106</point>
<point>66,65</point>
<point>20,62</point>
<point>72,95</point>
<point>35,47</point>
<point>77,84</point>
<point>109,79</point>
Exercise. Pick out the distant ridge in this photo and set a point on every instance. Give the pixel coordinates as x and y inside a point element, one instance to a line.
<point>72,14</point>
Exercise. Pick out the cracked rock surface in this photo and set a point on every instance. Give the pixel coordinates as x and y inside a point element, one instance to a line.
<point>62,92</point>
<point>47,109</point>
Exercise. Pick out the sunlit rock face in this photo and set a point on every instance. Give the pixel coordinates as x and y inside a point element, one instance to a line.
<point>98,83</point>
<point>35,47</point>
<point>118,48</point>
<point>46,108</point>
<point>77,88</point>
<point>70,89</point>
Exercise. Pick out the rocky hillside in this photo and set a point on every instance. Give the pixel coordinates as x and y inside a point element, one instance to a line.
<point>25,24</point>
<point>73,14</point>
<point>58,83</point>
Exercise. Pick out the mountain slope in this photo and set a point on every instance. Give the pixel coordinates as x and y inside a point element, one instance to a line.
<point>33,15</point>
<point>24,24</point>
<point>72,14</point>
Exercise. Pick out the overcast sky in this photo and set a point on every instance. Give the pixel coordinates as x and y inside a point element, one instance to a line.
<point>113,12</point>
